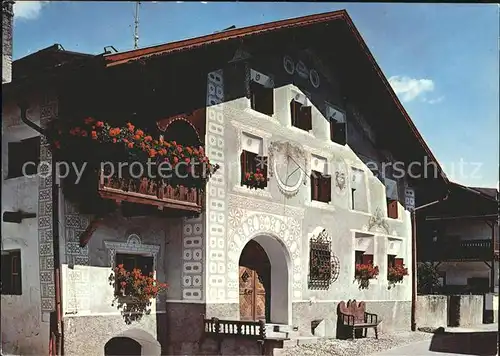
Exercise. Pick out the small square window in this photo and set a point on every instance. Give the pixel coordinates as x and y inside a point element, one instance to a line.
<point>11,272</point>
<point>253,169</point>
<point>24,153</point>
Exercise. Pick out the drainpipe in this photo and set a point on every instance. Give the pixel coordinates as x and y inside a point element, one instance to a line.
<point>55,238</point>
<point>414,258</point>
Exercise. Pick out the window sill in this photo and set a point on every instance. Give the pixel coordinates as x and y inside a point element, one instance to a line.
<point>296,129</point>
<point>243,189</point>
<point>258,113</point>
<point>359,212</point>
<point>321,205</point>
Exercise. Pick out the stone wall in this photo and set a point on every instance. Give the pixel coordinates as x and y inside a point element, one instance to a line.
<point>432,311</point>
<point>465,310</point>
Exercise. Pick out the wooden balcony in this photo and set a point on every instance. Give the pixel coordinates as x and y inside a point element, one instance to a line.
<point>461,250</point>
<point>150,192</point>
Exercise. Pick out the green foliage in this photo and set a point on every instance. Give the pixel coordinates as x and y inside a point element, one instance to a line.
<point>427,278</point>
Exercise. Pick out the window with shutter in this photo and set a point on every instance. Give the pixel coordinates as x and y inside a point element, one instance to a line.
<point>358,257</point>
<point>398,261</point>
<point>11,272</point>
<point>391,261</point>
<point>248,161</point>
<point>392,208</point>
<point>338,132</point>
<point>325,189</point>
<point>262,98</point>
<point>315,185</point>
<point>23,152</point>
<point>261,163</point>
<point>301,115</point>
<point>367,259</point>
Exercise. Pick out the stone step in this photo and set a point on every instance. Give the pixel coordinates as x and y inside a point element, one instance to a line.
<point>276,335</point>
<point>300,340</point>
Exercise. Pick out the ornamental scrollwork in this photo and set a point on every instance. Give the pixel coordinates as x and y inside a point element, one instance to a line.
<point>324,265</point>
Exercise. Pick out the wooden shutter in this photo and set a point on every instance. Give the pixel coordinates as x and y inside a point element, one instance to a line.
<point>340,133</point>
<point>367,259</point>
<point>235,81</point>
<point>314,186</point>
<point>243,164</point>
<point>295,113</point>
<point>16,272</point>
<point>263,99</point>
<point>398,262</point>
<point>15,159</point>
<point>332,130</point>
<point>263,167</point>
<point>325,189</point>
<point>392,209</point>
<point>305,118</point>
<point>145,264</point>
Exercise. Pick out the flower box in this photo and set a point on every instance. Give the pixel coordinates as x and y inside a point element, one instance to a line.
<point>365,272</point>
<point>255,180</point>
<point>396,274</point>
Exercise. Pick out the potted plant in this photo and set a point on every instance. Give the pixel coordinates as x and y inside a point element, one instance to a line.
<point>133,292</point>
<point>255,180</point>
<point>363,274</point>
<point>395,274</point>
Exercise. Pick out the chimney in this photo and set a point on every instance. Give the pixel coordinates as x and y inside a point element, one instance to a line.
<point>7,28</point>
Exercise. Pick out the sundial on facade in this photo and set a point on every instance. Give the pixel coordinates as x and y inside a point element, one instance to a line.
<point>288,164</point>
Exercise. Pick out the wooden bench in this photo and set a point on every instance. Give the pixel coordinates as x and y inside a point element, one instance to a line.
<point>353,316</point>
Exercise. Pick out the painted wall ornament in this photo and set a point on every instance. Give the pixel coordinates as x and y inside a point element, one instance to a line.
<point>288,164</point>
<point>301,70</point>
<point>378,221</point>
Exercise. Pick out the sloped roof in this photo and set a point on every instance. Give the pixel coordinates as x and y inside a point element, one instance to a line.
<point>190,44</point>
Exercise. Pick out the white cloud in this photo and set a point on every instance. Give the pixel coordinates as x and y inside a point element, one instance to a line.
<point>409,88</point>
<point>204,2</point>
<point>28,10</point>
<point>434,101</point>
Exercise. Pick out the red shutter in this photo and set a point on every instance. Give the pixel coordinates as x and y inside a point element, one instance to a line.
<point>314,186</point>
<point>306,118</point>
<point>392,209</point>
<point>367,259</point>
<point>267,97</point>
<point>398,262</point>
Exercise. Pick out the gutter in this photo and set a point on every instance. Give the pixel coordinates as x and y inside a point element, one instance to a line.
<point>414,257</point>
<point>57,329</point>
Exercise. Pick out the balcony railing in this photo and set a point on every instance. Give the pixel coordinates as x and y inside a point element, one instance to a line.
<point>461,250</point>
<point>150,192</point>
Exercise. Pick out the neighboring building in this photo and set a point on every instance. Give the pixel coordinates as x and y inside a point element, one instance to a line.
<point>280,91</point>
<point>460,235</point>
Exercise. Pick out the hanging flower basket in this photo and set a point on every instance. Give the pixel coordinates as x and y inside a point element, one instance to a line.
<point>133,292</point>
<point>255,180</point>
<point>363,274</point>
<point>396,274</point>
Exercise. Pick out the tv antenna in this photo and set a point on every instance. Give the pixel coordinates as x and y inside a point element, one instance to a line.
<point>136,25</point>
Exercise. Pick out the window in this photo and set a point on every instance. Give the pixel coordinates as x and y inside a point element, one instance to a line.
<point>337,124</point>
<point>322,262</point>
<point>363,259</point>
<point>131,261</point>
<point>353,195</point>
<point>22,152</point>
<point>301,115</point>
<point>321,186</point>
<point>11,272</point>
<point>261,98</point>
<point>252,164</point>
<point>321,181</point>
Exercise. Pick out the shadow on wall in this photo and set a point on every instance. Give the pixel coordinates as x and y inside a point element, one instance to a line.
<point>474,343</point>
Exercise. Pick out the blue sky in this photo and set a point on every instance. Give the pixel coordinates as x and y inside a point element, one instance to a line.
<point>442,59</point>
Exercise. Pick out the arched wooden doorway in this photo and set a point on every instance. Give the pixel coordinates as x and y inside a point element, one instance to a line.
<point>255,283</point>
<point>121,346</point>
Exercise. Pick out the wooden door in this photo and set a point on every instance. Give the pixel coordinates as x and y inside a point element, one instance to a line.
<point>254,283</point>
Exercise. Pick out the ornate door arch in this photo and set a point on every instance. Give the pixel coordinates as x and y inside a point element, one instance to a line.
<point>254,283</point>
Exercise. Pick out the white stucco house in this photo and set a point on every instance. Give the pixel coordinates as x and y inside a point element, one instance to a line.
<point>319,125</point>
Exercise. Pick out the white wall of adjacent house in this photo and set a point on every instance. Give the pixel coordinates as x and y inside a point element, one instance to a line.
<point>24,329</point>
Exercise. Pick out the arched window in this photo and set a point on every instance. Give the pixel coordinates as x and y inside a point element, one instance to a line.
<point>182,132</point>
